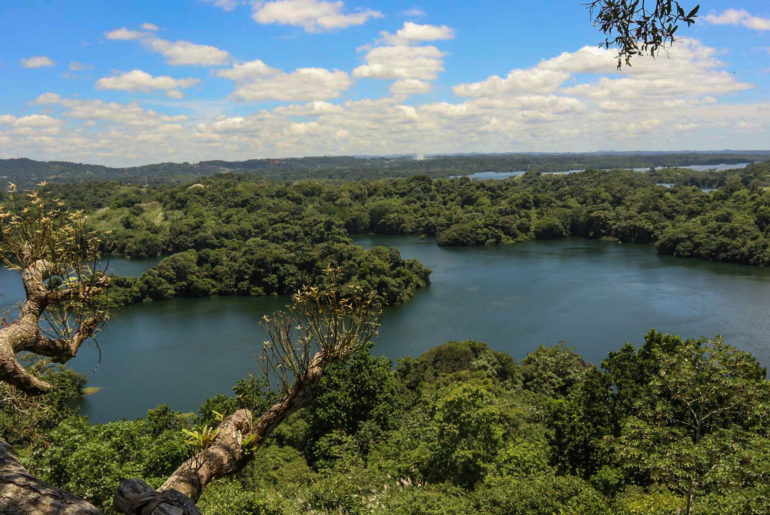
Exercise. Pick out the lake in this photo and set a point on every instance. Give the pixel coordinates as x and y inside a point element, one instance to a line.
<point>593,295</point>
<point>494,175</point>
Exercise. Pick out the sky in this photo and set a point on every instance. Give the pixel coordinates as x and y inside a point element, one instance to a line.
<point>134,82</point>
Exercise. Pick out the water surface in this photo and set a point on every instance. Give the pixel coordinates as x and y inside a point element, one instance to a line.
<point>594,295</point>
<point>494,175</point>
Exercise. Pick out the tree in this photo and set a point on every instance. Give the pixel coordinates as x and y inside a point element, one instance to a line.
<point>321,327</point>
<point>698,418</point>
<point>636,29</point>
<point>65,289</point>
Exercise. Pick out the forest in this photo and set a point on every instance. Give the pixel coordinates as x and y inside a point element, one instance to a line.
<point>241,235</point>
<point>676,425</point>
<point>672,426</point>
<point>26,172</point>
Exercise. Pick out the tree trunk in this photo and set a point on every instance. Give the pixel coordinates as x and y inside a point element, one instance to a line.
<point>227,455</point>
<point>22,494</point>
<point>24,333</point>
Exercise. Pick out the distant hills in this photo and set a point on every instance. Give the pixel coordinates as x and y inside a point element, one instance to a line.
<point>27,172</point>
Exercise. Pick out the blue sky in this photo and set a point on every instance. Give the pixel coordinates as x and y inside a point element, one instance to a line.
<point>126,83</point>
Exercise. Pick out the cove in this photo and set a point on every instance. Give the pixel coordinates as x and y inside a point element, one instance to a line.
<point>593,295</point>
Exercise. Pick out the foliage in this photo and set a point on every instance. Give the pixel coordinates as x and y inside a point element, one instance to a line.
<point>357,399</point>
<point>463,429</point>
<point>636,29</point>
<point>26,172</point>
<point>25,419</point>
<point>90,460</point>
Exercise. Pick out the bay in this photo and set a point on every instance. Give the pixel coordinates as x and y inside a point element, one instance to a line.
<point>593,295</point>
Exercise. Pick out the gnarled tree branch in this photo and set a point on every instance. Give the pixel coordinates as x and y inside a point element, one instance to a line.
<point>21,493</point>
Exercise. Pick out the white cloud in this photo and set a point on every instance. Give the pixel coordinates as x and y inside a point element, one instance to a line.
<point>312,15</point>
<point>589,59</point>
<point>739,17</point>
<point>255,80</point>
<point>575,101</point>
<point>402,62</point>
<point>174,93</point>
<point>414,32</point>
<point>400,56</point>
<point>175,52</point>
<point>37,120</point>
<point>184,52</point>
<point>414,12</point>
<point>227,5</point>
<point>37,61</point>
<point>47,98</point>
<point>149,26</point>
<point>138,80</point>
<point>689,69</point>
<point>76,66</point>
<point>302,84</point>
<point>130,114</point>
<point>533,80</point>
<point>124,34</point>
<point>409,87</point>
<point>310,109</point>
<point>248,70</point>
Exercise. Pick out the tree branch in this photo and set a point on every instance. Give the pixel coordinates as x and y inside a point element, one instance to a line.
<point>21,493</point>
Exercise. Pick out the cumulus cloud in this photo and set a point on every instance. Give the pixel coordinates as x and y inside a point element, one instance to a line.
<point>739,17</point>
<point>690,69</point>
<point>574,101</point>
<point>308,109</point>
<point>129,114</point>
<point>403,57</point>
<point>175,52</point>
<point>37,61</point>
<point>124,34</point>
<point>255,80</point>
<point>138,80</point>
<point>248,70</point>
<point>301,84</point>
<point>184,52</point>
<point>409,87</point>
<point>534,80</point>
<point>312,15</point>
<point>47,98</point>
<point>150,26</point>
<point>402,62</point>
<point>414,32</point>
<point>34,125</point>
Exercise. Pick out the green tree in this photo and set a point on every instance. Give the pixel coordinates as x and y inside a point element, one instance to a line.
<point>699,415</point>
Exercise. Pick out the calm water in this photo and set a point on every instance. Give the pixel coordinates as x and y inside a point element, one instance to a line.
<point>698,168</point>
<point>593,295</point>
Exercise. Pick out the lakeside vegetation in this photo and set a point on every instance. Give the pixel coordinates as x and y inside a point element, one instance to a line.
<point>460,429</point>
<point>240,235</point>
<point>26,173</point>
<point>676,425</point>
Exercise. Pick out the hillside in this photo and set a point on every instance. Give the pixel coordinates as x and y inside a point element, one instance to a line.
<point>27,172</point>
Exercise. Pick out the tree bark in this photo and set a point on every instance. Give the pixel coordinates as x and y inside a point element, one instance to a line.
<point>22,494</point>
<point>24,333</point>
<point>227,454</point>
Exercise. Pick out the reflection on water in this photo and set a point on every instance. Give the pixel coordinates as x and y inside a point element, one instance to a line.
<point>594,295</point>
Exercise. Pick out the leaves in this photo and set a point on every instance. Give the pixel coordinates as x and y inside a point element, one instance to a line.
<point>636,29</point>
